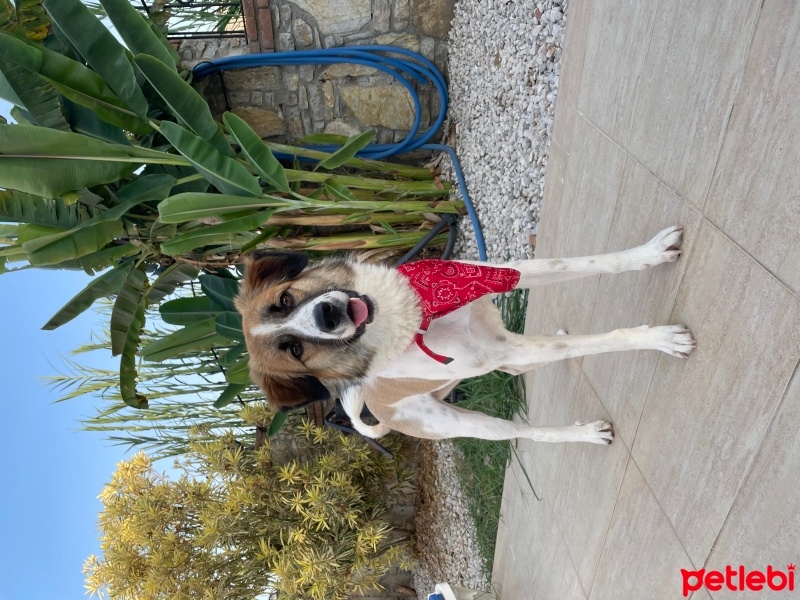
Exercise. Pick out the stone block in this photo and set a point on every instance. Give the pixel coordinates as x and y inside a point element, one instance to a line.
<point>259,78</point>
<point>384,105</point>
<point>401,14</point>
<point>338,16</point>
<point>303,33</point>
<point>266,123</point>
<point>432,17</point>
<point>381,15</point>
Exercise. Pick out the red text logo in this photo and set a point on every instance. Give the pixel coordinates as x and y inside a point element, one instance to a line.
<point>738,580</point>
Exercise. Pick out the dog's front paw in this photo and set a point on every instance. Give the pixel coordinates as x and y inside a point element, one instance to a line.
<point>597,432</point>
<point>664,247</point>
<point>676,340</point>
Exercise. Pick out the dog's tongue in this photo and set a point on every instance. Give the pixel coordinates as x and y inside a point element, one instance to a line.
<point>359,311</point>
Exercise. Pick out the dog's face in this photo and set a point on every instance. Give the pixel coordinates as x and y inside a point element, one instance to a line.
<point>302,325</point>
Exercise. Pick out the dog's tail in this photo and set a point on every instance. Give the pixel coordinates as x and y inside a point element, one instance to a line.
<point>353,403</point>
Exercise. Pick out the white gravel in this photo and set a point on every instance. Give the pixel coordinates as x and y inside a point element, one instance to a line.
<point>505,62</point>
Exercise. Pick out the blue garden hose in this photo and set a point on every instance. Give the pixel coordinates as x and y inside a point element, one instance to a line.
<point>413,66</point>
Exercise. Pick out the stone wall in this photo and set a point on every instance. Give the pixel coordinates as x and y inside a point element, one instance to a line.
<point>289,103</point>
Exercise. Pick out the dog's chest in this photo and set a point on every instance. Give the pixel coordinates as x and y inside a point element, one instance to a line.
<point>465,335</point>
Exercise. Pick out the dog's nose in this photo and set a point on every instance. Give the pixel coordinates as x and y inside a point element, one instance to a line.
<point>327,316</point>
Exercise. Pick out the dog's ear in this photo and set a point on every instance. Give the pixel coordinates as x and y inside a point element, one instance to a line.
<point>266,268</point>
<point>294,392</point>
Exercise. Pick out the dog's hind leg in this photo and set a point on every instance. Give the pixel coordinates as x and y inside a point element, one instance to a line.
<point>664,247</point>
<point>425,417</point>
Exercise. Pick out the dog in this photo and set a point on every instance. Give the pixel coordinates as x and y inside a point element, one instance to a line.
<point>360,331</point>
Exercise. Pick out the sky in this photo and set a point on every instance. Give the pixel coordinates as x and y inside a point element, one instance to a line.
<point>51,471</point>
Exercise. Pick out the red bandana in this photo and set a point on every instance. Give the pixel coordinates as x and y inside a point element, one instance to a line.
<point>446,285</point>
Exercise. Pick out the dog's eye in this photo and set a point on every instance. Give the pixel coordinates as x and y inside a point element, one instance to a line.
<point>297,350</point>
<point>286,300</point>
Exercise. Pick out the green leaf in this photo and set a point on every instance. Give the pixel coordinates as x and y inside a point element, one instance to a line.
<point>50,163</point>
<point>231,356</point>
<point>86,122</point>
<point>185,311</point>
<point>348,151</point>
<point>229,394</point>
<point>226,174</point>
<point>225,233</point>
<point>42,102</point>
<point>97,261</point>
<point>169,280</point>
<point>185,104</point>
<point>128,299</point>
<point>100,49</point>
<point>221,290</point>
<point>191,205</point>
<point>127,362</point>
<point>229,324</point>
<point>239,372</point>
<point>337,191</point>
<point>197,336</point>
<point>73,244</point>
<point>103,285</point>
<point>277,423</point>
<point>136,32</point>
<point>19,207</point>
<point>323,138</point>
<point>256,152</point>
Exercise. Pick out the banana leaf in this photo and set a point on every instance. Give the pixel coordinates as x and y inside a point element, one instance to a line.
<point>256,152</point>
<point>226,233</point>
<point>348,151</point>
<point>136,32</point>
<point>229,394</point>
<point>189,206</point>
<point>103,285</point>
<point>239,372</point>
<point>49,163</point>
<point>185,311</point>
<point>127,362</point>
<point>169,280</point>
<point>39,99</point>
<point>98,261</point>
<point>221,290</point>
<point>100,49</point>
<point>229,324</point>
<point>224,173</point>
<point>185,104</point>
<point>125,306</point>
<point>19,207</point>
<point>197,336</point>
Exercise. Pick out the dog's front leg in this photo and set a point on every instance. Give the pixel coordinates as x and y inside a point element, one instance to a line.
<point>523,353</point>
<point>664,247</point>
<point>425,417</point>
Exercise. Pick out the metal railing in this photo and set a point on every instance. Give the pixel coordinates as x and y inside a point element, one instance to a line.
<point>186,19</point>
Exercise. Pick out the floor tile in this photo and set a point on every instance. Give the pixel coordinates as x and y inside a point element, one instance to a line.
<point>689,81</point>
<point>642,557</point>
<point>763,527</point>
<point>569,84</point>
<point>589,480</point>
<point>525,525</point>
<point>557,578</point>
<point>754,197</point>
<point>613,63</point>
<point>622,379</point>
<point>704,417</point>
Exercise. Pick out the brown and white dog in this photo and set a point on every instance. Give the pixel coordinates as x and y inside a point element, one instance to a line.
<point>347,328</point>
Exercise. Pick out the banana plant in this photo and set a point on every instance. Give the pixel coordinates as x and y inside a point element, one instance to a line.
<point>118,167</point>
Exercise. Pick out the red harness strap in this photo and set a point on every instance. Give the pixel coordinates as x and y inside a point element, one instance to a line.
<point>443,286</point>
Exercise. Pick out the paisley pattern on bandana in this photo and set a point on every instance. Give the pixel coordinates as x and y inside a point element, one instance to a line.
<point>443,286</point>
<point>446,285</point>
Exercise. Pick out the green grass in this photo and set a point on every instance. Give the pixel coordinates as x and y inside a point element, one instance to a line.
<point>482,470</point>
